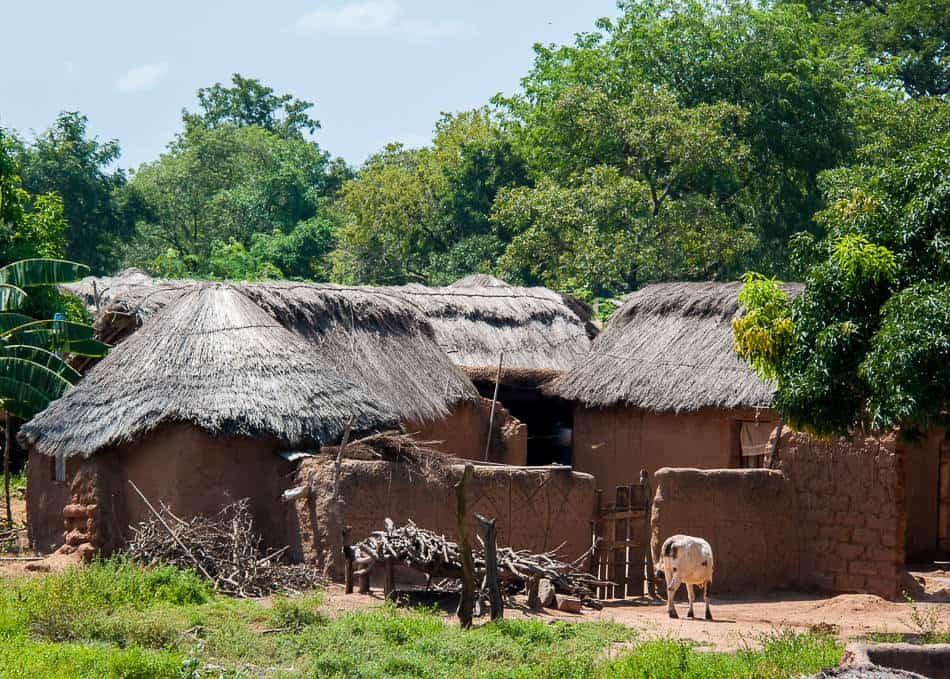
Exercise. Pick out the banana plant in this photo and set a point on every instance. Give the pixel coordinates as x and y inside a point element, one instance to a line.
<point>33,372</point>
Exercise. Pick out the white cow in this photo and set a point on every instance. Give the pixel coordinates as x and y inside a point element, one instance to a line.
<point>685,560</point>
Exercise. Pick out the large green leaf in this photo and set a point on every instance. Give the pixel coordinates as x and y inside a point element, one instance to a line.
<point>88,347</point>
<point>11,297</point>
<point>10,320</point>
<point>31,272</point>
<point>21,400</point>
<point>45,358</point>
<point>54,333</point>
<point>28,387</point>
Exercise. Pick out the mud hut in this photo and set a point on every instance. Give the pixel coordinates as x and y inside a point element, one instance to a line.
<point>532,334</point>
<point>371,335</point>
<point>662,387</point>
<point>193,408</point>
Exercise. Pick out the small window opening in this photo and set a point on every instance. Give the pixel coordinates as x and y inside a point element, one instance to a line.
<point>754,443</point>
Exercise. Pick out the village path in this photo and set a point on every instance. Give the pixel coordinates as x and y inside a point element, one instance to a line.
<point>740,621</point>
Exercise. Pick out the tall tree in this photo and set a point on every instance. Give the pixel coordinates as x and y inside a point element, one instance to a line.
<point>868,341</point>
<point>249,102</point>
<point>65,160</point>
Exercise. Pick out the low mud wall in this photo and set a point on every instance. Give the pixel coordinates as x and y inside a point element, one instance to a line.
<point>535,508</point>
<point>850,497</point>
<point>746,515</point>
<point>830,517</point>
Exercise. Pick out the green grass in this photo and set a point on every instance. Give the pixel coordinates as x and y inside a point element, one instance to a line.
<point>115,619</point>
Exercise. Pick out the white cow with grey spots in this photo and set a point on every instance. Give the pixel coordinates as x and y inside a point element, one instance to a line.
<point>685,560</point>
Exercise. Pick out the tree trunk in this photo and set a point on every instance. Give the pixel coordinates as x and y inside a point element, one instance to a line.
<point>467,597</point>
<point>773,454</point>
<point>489,536</point>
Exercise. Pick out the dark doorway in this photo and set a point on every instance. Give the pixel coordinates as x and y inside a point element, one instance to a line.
<point>549,420</point>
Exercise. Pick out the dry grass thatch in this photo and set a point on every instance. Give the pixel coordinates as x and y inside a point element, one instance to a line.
<point>478,317</point>
<point>213,358</point>
<point>371,336</point>
<point>668,348</point>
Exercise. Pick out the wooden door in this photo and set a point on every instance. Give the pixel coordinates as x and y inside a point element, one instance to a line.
<point>943,503</point>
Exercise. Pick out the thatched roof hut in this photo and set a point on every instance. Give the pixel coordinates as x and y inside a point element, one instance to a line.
<point>371,336</point>
<point>215,359</point>
<point>668,349</point>
<point>541,332</point>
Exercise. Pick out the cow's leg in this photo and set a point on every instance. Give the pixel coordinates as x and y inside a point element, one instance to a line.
<point>706,587</point>
<point>671,594</point>
<point>690,595</point>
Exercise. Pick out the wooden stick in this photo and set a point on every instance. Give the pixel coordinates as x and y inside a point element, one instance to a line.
<point>389,582</point>
<point>494,400</point>
<point>8,441</point>
<point>347,560</point>
<point>773,453</point>
<point>489,536</point>
<point>171,532</point>
<point>467,597</point>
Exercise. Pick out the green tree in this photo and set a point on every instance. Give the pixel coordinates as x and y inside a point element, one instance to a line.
<point>424,214</point>
<point>868,341</point>
<point>63,160</point>
<point>221,184</point>
<point>639,193</point>
<point>768,61</point>
<point>903,42</point>
<point>249,102</point>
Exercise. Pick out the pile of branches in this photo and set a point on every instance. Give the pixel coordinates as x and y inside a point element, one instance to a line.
<point>437,557</point>
<point>224,548</point>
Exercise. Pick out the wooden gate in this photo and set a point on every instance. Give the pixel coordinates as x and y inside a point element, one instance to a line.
<point>622,539</point>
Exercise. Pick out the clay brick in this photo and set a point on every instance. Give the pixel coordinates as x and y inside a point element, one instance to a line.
<point>822,581</point>
<point>808,530</point>
<point>75,538</point>
<point>889,540</point>
<point>865,536</point>
<point>838,533</point>
<point>864,568</point>
<point>848,551</point>
<point>839,503</point>
<point>889,588</point>
<point>881,524</point>
<point>849,519</point>
<point>850,583</point>
<point>832,565</point>
<point>883,554</point>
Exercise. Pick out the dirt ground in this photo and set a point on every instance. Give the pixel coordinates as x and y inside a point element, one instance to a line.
<point>739,621</point>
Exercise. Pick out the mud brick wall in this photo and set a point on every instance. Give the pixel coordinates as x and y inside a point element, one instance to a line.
<point>746,515</point>
<point>537,509</point>
<point>850,498</point>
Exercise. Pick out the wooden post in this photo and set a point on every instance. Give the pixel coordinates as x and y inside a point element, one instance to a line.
<point>648,563</point>
<point>467,597</point>
<point>348,556</point>
<point>362,584</point>
<point>494,400</point>
<point>534,601</point>
<point>489,537</point>
<point>773,453</point>
<point>389,583</point>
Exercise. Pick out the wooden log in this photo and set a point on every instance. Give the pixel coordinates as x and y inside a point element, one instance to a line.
<point>389,581</point>
<point>489,537</point>
<point>467,598</point>
<point>534,601</point>
<point>494,400</point>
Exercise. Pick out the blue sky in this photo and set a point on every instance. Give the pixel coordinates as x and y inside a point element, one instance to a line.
<point>377,70</point>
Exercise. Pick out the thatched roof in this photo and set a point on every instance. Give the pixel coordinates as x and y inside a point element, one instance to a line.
<point>371,336</point>
<point>215,359</point>
<point>541,332</point>
<point>669,348</point>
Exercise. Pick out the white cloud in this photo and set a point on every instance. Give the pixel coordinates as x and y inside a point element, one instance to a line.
<point>142,78</point>
<point>375,17</point>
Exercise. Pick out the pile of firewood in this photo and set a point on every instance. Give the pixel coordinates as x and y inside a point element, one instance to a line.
<point>437,557</point>
<point>224,548</point>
